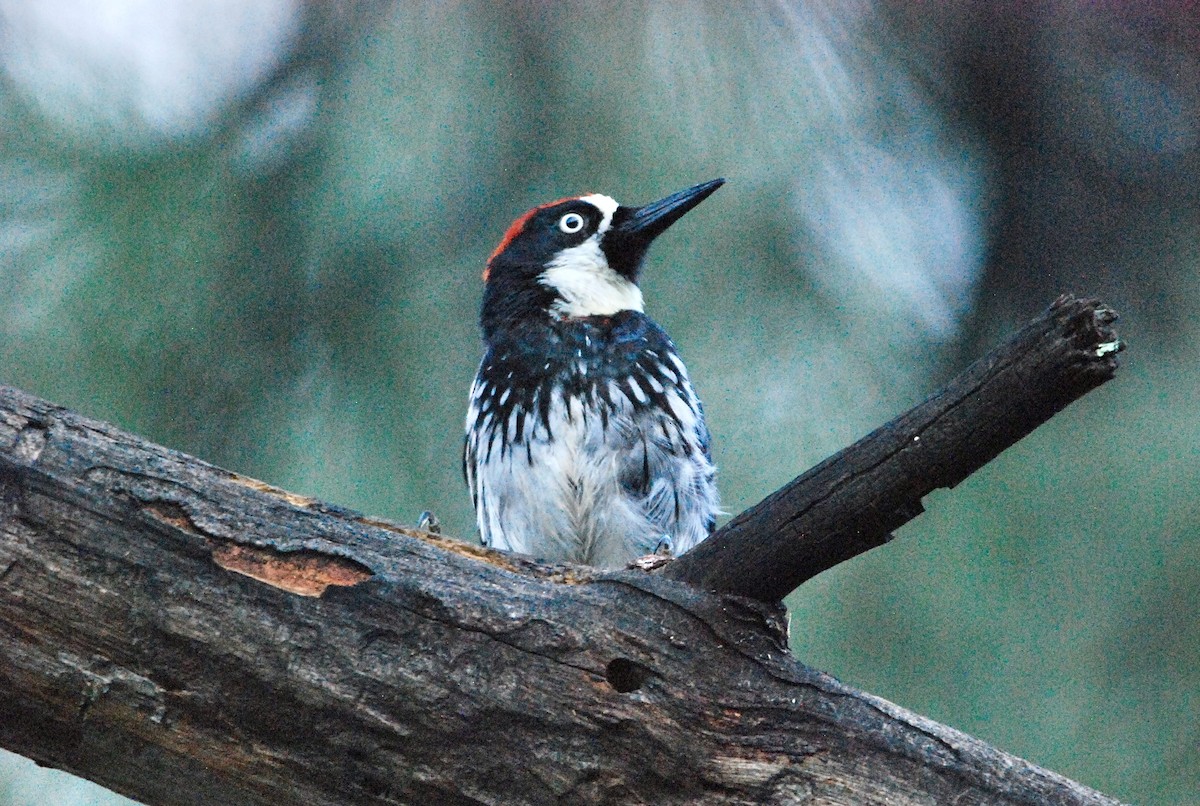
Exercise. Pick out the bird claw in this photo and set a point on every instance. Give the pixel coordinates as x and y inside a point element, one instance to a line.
<point>428,522</point>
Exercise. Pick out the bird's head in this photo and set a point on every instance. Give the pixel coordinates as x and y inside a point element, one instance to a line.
<point>577,257</point>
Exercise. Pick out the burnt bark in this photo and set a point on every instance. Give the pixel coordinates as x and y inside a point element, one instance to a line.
<point>851,502</point>
<point>186,635</point>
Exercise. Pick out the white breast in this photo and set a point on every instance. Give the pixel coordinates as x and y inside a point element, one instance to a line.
<point>563,499</point>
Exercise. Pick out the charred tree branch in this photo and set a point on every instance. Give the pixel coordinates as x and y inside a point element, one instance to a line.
<point>851,502</point>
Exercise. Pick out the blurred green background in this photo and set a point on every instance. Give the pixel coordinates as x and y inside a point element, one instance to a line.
<point>254,232</point>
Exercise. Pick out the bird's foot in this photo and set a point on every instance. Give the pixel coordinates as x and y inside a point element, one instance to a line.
<point>428,522</point>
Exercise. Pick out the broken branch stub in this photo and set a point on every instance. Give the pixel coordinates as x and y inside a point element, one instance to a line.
<point>851,502</point>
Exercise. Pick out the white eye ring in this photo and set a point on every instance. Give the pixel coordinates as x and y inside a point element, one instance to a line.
<point>571,222</point>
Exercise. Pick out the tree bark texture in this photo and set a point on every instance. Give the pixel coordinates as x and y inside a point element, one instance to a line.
<point>186,635</point>
<point>851,502</point>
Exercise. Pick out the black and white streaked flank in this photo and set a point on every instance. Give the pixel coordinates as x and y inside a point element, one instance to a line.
<point>585,440</point>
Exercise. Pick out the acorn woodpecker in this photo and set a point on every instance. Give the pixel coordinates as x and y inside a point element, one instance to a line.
<point>585,440</point>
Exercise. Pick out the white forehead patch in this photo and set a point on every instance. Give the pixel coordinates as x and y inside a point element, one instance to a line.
<point>607,207</point>
<point>582,278</point>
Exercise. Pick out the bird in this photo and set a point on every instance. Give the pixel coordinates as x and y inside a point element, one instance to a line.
<point>585,441</point>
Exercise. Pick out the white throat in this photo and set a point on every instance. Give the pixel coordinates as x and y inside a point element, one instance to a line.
<point>582,278</point>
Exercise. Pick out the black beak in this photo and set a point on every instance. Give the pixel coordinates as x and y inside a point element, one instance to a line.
<point>635,228</point>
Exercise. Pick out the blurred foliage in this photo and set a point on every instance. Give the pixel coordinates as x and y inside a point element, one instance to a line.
<point>281,276</point>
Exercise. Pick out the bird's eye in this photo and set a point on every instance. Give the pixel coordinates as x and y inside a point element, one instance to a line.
<point>571,222</point>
